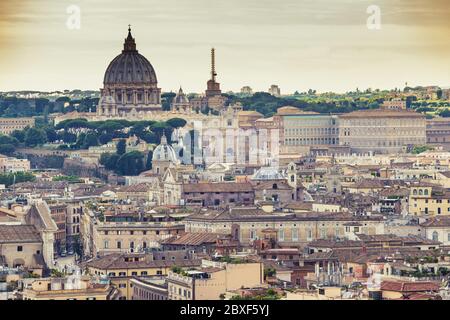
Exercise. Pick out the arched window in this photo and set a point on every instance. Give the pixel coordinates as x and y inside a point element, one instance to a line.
<point>435,236</point>
<point>415,192</point>
<point>420,192</point>
<point>425,192</point>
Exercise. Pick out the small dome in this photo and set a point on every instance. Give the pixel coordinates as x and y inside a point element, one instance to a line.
<point>180,98</point>
<point>267,173</point>
<point>164,152</point>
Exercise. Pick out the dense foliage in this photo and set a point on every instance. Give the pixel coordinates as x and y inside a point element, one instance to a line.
<point>9,178</point>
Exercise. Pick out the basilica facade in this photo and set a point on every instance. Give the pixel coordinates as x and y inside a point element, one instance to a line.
<point>130,86</point>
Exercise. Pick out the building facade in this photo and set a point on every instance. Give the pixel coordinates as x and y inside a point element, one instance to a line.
<point>382,131</point>
<point>9,125</point>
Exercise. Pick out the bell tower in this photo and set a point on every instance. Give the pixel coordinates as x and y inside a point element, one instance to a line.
<point>213,87</point>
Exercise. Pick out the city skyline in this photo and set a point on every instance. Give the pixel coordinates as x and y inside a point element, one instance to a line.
<point>297,45</point>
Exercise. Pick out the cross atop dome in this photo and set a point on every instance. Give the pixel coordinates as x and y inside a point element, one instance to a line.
<point>130,44</point>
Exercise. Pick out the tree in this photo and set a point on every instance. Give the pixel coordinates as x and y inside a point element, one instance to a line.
<point>149,137</point>
<point>90,140</point>
<point>166,100</point>
<point>130,164</point>
<point>176,122</point>
<point>148,163</point>
<point>18,177</point>
<point>121,147</point>
<point>104,138</point>
<point>445,113</point>
<point>19,135</point>
<point>80,141</point>
<point>109,160</point>
<point>7,149</point>
<point>8,140</point>
<point>35,137</point>
<point>161,127</point>
<point>51,134</point>
<point>68,137</point>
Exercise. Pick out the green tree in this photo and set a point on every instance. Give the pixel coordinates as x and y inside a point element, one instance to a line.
<point>8,140</point>
<point>148,163</point>
<point>176,122</point>
<point>121,147</point>
<point>90,140</point>
<point>104,138</point>
<point>19,135</point>
<point>18,177</point>
<point>35,137</point>
<point>109,160</point>
<point>7,149</point>
<point>130,164</point>
<point>51,134</point>
<point>68,137</point>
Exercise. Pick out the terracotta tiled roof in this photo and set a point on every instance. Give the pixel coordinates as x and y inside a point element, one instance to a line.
<point>437,222</point>
<point>381,113</point>
<point>280,185</point>
<point>118,261</point>
<point>19,233</point>
<point>406,286</point>
<point>193,239</point>
<point>218,187</point>
<point>141,187</point>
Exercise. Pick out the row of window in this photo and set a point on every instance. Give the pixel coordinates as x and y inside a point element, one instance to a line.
<point>140,294</point>
<point>131,232</point>
<point>308,141</point>
<point>134,273</point>
<point>306,131</point>
<point>181,292</point>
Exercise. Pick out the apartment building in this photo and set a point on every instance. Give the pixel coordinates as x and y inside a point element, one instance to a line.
<point>11,165</point>
<point>9,125</point>
<point>382,131</point>
<point>428,200</point>
<point>295,229</point>
<point>214,279</point>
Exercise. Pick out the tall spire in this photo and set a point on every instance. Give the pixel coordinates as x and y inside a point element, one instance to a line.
<point>213,64</point>
<point>130,44</point>
<point>164,138</point>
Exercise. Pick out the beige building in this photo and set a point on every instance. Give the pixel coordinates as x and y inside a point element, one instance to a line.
<point>9,125</point>
<point>11,165</point>
<point>250,224</point>
<point>149,288</point>
<point>394,104</point>
<point>300,129</point>
<point>21,246</point>
<point>428,200</point>
<point>71,288</point>
<point>275,90</point>
<point>121,268</point>
<point>213,280</point>
<point>104,237</point>
<point>437,229</point>
<point>383,131</point>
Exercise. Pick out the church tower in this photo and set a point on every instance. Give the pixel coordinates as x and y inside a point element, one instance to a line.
<point>213,87</point>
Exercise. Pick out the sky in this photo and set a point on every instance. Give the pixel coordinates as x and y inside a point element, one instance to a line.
<point>297,44</point>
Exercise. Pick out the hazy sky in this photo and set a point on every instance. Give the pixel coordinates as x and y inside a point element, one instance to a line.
<point>297,44</point>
